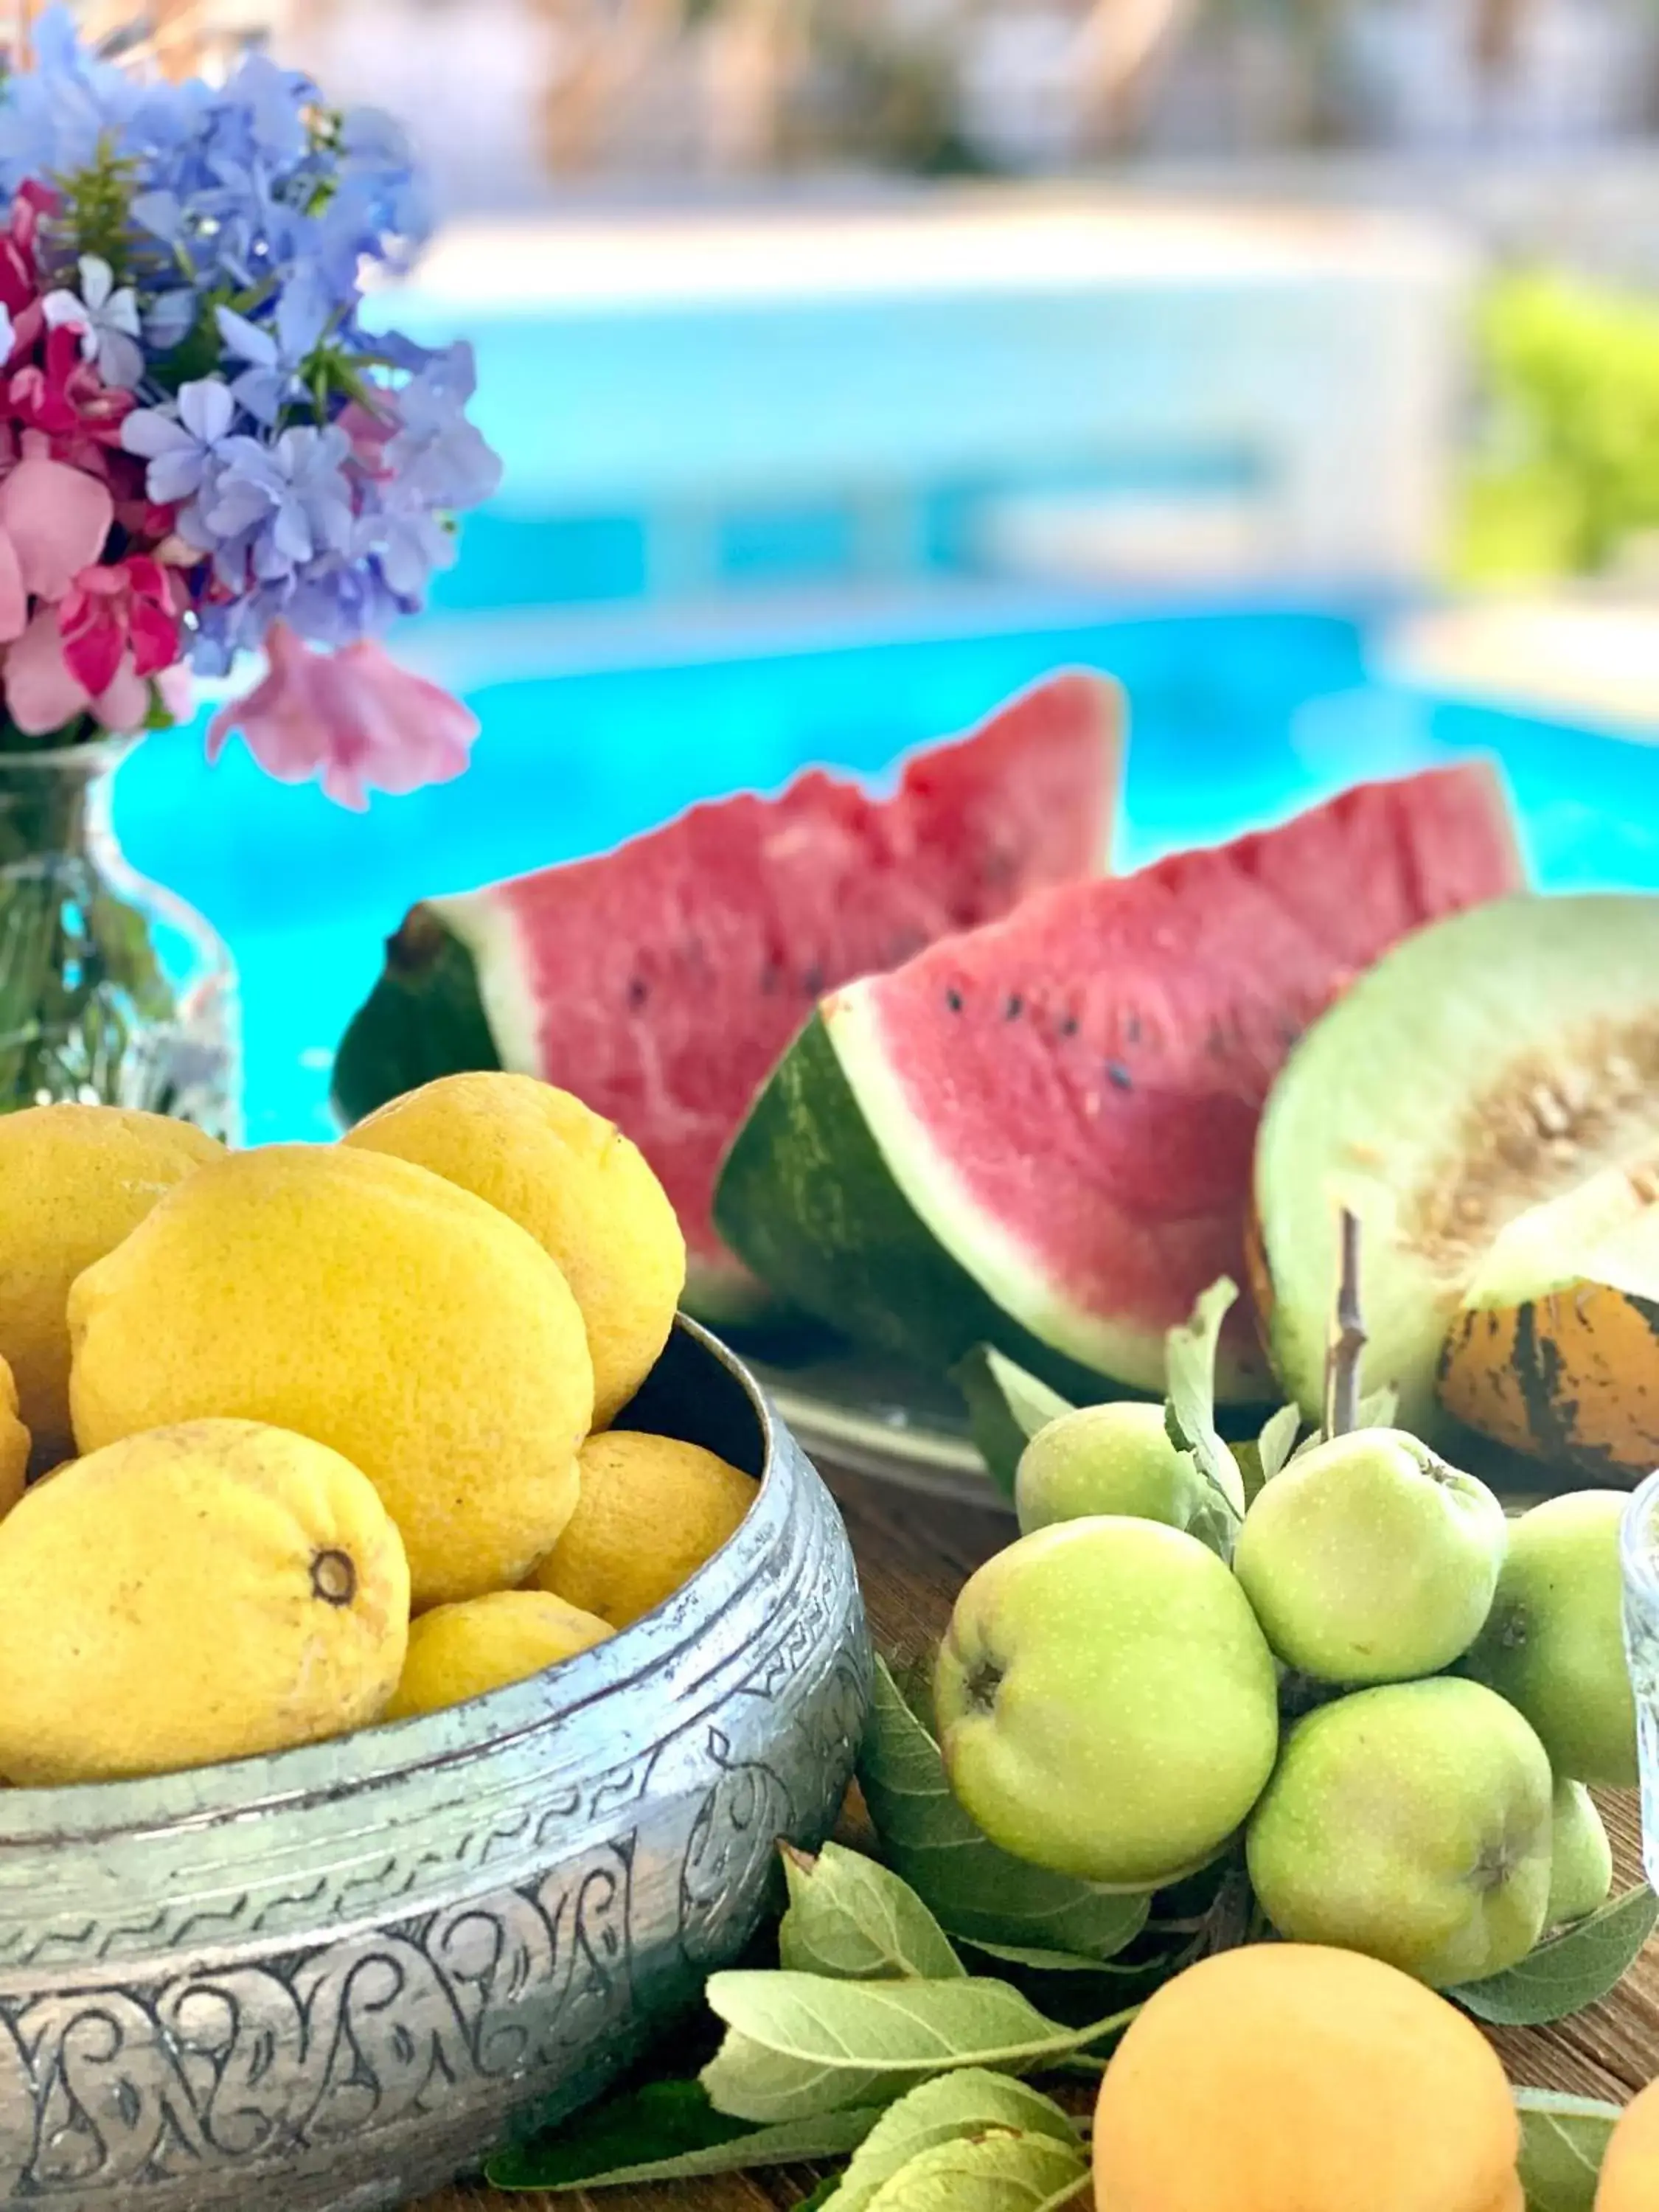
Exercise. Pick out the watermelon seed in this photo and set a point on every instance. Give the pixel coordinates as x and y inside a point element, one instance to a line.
<point>812,981</point>
<point>953,1000</point>
<point>1119,1076</point>
<point>1068,1027</point>
<point>1131,1029</point>
<point>1014,1008</point>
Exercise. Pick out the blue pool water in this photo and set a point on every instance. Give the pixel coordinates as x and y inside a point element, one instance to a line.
<point>1239,717</point>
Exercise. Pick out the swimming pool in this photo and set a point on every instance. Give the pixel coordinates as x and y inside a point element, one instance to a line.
<point>1240,715</point>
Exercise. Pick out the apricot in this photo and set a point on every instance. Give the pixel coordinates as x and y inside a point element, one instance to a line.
<point>1289,2077</point>
<point>1630,2172</point>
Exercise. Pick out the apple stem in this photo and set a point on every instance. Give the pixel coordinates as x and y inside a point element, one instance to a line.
<point>1348,1343</point>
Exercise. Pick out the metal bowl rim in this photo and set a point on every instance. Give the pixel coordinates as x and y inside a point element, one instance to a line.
<point>270,1781</point>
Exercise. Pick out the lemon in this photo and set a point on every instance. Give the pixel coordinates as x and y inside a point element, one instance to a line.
<point>194,1594</point>
<point>651,1511</point>
<point>576,1183</point>
<point>14,1443</point>
<point>73,1180</point>
<point>368,1303</point>
<point>461,1651</point>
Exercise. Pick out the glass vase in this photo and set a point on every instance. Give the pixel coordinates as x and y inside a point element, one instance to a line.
<point>112,990</point>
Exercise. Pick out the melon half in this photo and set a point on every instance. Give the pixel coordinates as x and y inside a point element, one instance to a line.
<point>1039,1135</point>
<point>1484,1072</point>
<point>661,982</point>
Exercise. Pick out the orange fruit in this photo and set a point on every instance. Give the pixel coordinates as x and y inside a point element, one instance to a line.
<point>1289,2077</point>
<point>1630,2172</point>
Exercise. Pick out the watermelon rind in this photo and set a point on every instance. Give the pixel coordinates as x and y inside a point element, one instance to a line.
<point>424,1018</point>
<point>1489,1063</point>
<point>811,1198</point>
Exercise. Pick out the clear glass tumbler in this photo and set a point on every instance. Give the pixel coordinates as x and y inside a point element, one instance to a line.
<point>1640,1548</point>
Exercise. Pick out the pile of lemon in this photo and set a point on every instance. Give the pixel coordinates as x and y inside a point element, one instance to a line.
<point>277,1402</point>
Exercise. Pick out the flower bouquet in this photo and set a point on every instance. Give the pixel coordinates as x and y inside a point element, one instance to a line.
<point>204,454</point>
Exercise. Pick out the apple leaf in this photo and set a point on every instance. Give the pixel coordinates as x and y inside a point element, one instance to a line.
<point>1190,1412</point>
<point>1563,2143</point>
<point>993,2172</point>
<point>1006,1408</point>
<point>857,1921</point>
<point>976,1891</point>
<point>1277,1441</point>
<point>1567,1971</point>
<point>938,2112</point>
<point>797,2046</point>
<point>1378,1409</point>
<point>667,2131</point>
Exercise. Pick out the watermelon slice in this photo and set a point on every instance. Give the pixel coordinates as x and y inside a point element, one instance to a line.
<point>660,983</point>
<point>1039,1135</point>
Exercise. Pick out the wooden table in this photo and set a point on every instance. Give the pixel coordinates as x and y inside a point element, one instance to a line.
<point>914,1554</point>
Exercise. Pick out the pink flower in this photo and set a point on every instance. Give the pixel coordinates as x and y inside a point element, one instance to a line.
<point>108,613</point>
<point>20,276</point>
<point>53,523</point>
<point>354,714</point>
<point>42,692</point>
<point>63,398</point>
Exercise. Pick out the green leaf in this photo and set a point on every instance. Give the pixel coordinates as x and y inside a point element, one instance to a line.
<point>1189,1412</point>
<point>1567,1971</point>
<point>1006,1408</point>
<point>991,2172</point>
<point>938,2112</point>
<point>797,2046</point>
<point>1380,1409</point>
<point>1563,2143</point>
<point>857,1921</point>
<point>1277,1441</point>
<point>976,1891</point>
<point>667,2131</point>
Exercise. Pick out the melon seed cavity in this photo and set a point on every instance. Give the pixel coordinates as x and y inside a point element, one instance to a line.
<point>1546,1124</point>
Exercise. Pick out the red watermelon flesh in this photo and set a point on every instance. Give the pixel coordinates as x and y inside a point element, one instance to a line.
<point>1069,1098</point>
<point>660,983</point>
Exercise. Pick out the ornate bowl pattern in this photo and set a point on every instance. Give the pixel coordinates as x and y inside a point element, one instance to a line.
<point>329,1981</point>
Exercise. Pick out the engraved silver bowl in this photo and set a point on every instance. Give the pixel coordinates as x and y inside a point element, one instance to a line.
<point>332,1980</point>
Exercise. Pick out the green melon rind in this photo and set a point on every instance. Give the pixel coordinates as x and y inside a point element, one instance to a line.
<point>1380,1096</point>
<point>810,1201</point>
<point>425,1018</point>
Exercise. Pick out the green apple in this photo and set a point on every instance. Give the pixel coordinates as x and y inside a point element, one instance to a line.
<point>1107,1459</point>
<point>1553,1643</point>
<point>1581,1858</point>
<point>1106,1702</point>
<point>1370,1560</point>
<point>1412,1822</point>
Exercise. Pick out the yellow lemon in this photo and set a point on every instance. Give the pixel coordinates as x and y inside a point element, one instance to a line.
<point>73,1180</point>
<point>375,1307</point>
<point>194,1594</point>
<point>14,1443</point>
<point>580,1188</point>
<point>651,1511</point>
<point>461,1651</point>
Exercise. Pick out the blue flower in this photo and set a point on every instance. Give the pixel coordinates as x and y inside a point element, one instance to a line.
<point>181,442</point>
<point>107,320</point>
<point>277,350</point>
<point>436,455</point>
<point>268,510</point>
